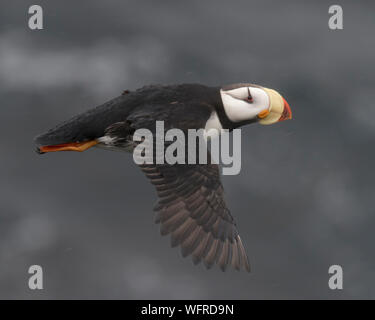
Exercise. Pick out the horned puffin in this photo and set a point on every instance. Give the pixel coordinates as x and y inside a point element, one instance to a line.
<point>191,206</point>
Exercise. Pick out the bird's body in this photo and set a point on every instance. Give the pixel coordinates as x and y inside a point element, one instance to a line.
<point>191,205</point>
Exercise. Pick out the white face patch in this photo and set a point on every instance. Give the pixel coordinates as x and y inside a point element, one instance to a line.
<point>238,109</point>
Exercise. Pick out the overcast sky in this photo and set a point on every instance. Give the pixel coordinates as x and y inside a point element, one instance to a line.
<point>304,199</point>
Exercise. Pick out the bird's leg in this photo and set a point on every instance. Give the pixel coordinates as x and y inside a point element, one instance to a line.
<point>72,146</point>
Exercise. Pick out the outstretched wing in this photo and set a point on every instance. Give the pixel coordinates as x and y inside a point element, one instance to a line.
<point>191,208</point>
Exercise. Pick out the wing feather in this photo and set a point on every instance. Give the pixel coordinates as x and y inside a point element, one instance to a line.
<point>191,208</point>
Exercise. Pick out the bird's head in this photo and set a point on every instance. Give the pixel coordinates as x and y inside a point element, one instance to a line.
<point>249,102</point>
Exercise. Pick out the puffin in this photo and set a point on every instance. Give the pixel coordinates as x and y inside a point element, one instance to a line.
<point>191,206</point>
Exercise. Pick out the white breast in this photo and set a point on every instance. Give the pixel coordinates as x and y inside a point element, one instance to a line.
<point>213,125</point>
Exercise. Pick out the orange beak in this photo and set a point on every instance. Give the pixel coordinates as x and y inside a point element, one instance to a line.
<point>287,112</point>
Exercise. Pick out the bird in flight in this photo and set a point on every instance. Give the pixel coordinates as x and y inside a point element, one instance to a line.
<point>191,206</point>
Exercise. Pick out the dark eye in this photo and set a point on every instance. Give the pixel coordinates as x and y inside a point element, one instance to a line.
<point>249,96</point>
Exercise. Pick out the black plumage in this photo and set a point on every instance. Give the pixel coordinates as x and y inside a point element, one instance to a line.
<point>183,106</point>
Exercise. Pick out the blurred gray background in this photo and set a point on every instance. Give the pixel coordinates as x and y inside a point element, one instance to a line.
<point>303,201</point>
